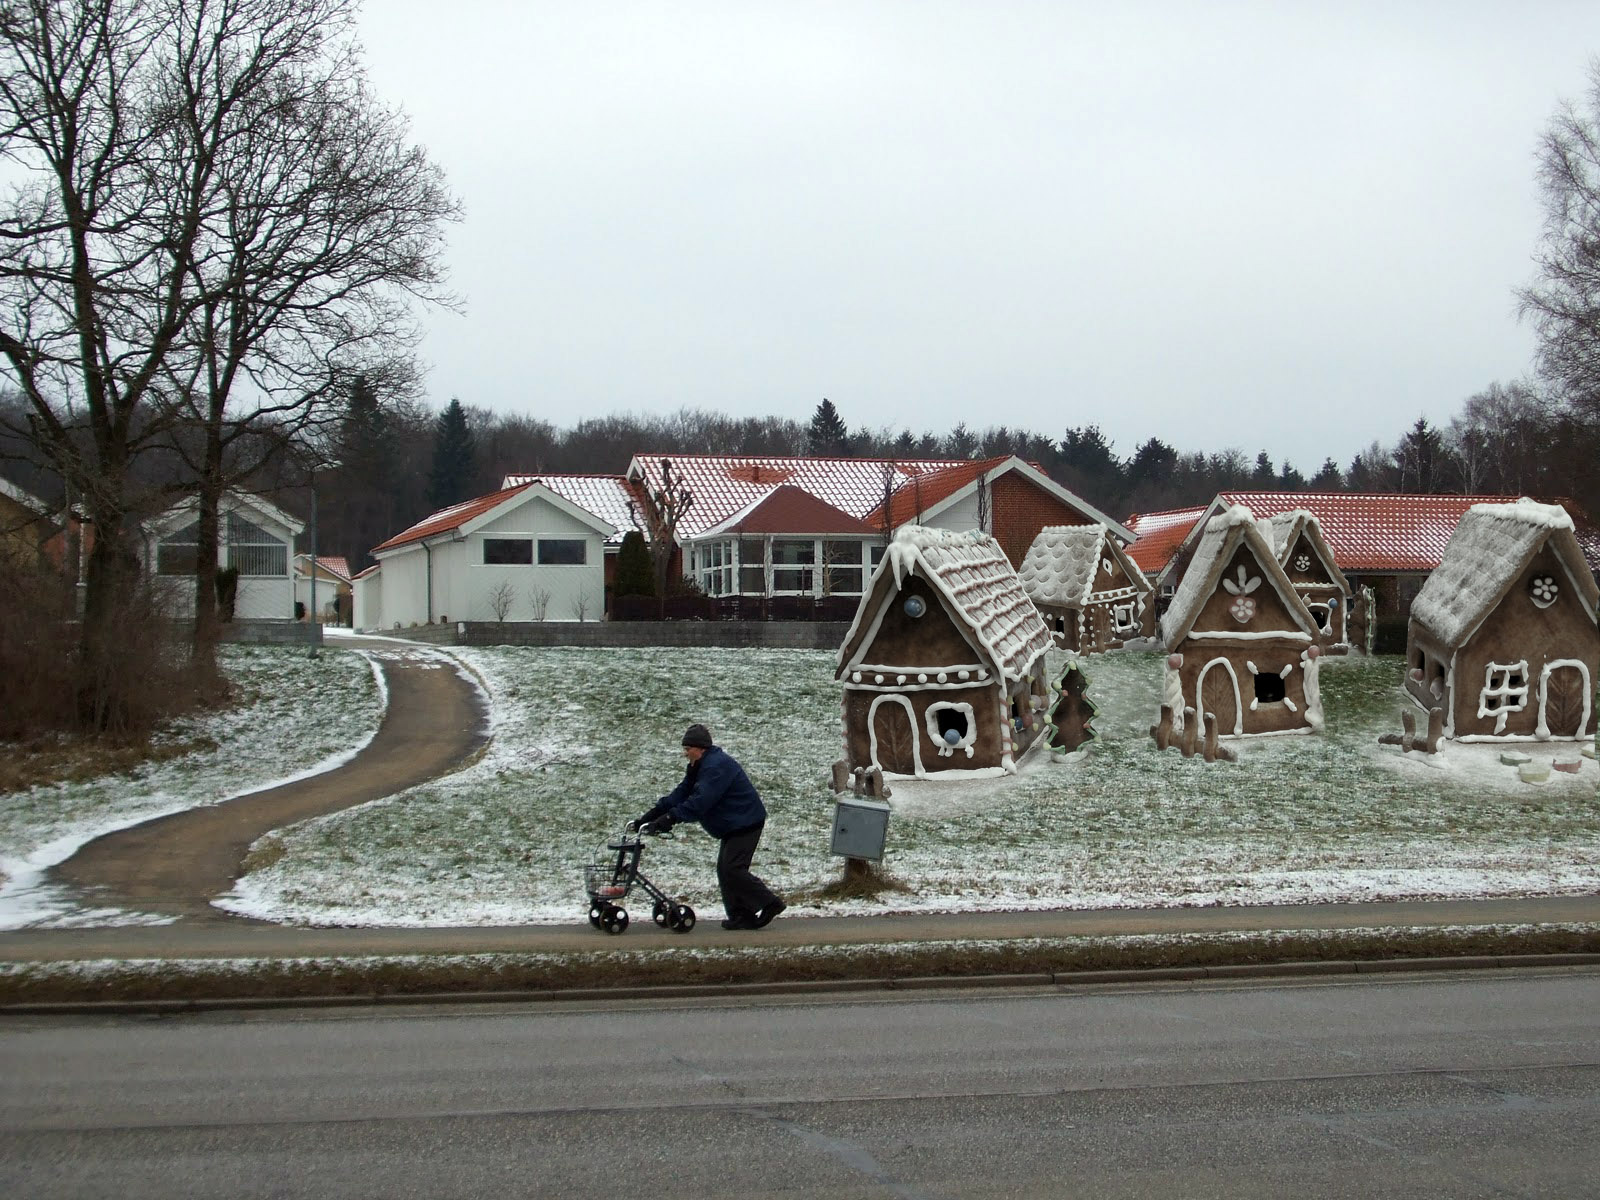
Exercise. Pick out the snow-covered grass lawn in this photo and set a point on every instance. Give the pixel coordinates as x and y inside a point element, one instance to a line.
<point>292,715</point>
<point>586,738</point>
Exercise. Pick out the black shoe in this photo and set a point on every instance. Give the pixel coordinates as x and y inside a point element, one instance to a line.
<point>740,923</point>
<point>764,917</point>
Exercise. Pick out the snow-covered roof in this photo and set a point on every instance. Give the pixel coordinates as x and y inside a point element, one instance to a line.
<point>726,484</point>
<point>1158,535</point>
<point>788,509</point>
<point>21,497</point>
<point>232,501</point>
<point>1488,551</point>
<point>460,519</point>
<point>1368,532</point>
<point>1290,527</point>
<point>1223,533</point>
<point>1062,562</point>
<point>980,586</point>
<point>933,492</point>
<point>609,497</point>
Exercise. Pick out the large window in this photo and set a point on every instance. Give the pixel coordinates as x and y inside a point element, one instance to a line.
<point>841,570</point>
<point>793,563</point>
<point>255,551</point>
<point>507,552</point>
<point>753,566</point>
<point>563,552</point>
<point>176,553</point>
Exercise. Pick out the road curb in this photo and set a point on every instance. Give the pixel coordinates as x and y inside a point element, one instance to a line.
<point>1058,980</point>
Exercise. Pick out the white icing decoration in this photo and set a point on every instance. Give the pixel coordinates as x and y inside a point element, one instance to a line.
<point>1247,583</point>
<point>1544,591</point>
<point>922,677</point>
<point>1243,609</point>
<point>1302,562</point>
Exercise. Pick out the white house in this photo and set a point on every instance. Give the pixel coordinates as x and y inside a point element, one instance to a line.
<point>253,535</point>
<point>524,553</point>
<point>332,574</point>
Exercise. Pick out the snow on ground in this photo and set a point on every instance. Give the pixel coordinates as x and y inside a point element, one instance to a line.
<point>295,717</point>
<point>587,738</point>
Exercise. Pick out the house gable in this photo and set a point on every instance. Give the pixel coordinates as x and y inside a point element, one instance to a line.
<point>1246,601</point>
<point>937,639</point>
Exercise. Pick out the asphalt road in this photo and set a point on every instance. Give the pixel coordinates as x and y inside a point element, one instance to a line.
<point>1417,1086</point>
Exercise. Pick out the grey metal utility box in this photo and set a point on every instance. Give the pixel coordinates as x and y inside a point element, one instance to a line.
<point>860,827</point>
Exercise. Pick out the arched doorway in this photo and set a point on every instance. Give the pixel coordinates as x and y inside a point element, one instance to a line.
<point>1565,698</point>
<point>1217,692</point>
<point>894,736</point>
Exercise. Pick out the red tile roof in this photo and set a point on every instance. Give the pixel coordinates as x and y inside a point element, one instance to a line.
<point>724,484</point>
<point>450,518</point>
<point>332,564</point>
<point>612,498</point>
<point>791,509</point>
<point>1367,531</point>
<point>1160,535</point>
<point>916,496</point>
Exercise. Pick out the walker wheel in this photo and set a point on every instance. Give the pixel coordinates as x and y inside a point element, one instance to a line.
<point>682,919</point>
<point>616,920</point>
<point>595,915</point>
<point>661,914</point>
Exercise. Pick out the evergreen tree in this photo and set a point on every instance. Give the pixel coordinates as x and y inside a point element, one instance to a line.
<point>1329,478</point>
<point>827,435</point>
<point>454,458</point>
<point>1264,475</point>
<point>636,575</point>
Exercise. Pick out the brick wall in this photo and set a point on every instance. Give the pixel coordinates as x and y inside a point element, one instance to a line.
<point>1020,509</point>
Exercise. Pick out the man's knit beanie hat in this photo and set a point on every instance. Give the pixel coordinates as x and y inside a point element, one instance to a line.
<point>697,735</point>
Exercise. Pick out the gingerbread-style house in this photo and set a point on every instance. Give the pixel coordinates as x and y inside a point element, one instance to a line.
<point>1089,592</point>
<point>1244,642</point>
<point>1304,555</point>
<point>1502,637</point>
<point>943,667</point>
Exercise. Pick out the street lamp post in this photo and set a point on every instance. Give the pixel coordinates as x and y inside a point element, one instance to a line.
<point>312,624</point>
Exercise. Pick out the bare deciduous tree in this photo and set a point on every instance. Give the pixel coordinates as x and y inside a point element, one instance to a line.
<point>664,507</point>
<point>219,219</point>
<point>501,599</point>
<point>1564,304</point>
<point>539,597</point>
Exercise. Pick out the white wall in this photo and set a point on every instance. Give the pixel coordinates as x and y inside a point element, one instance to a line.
<point>962,516</point>
<point>463,582</point>
<point>269,598</point>
<point>367,602</point>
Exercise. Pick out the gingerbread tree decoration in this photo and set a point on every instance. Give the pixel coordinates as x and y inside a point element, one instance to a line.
<point>1070,718</point>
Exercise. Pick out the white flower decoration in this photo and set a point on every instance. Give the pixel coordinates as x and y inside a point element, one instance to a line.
<point>1247,583</point>
<point>1302,562</point>
<point>1544,591</point>
<point>1243,609</point>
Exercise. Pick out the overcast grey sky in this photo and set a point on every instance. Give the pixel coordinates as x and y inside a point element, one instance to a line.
<point>1291,227</point>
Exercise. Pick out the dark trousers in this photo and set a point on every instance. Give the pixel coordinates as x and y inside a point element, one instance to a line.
<point>742,893</point>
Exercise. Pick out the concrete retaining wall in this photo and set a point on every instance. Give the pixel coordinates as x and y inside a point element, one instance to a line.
<point>793,635</point>
<point>271,633</point>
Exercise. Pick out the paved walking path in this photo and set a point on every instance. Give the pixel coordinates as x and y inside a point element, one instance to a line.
<point>176,865</point>
<point>223,940</point>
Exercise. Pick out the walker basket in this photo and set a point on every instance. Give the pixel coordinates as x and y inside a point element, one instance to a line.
<point>611,875</point>
<point>606,880</point>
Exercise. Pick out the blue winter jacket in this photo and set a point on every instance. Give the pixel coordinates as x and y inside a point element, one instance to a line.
<point>716,792</point>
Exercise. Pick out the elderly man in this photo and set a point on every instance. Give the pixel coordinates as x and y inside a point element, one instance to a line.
<point>717,793</point>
